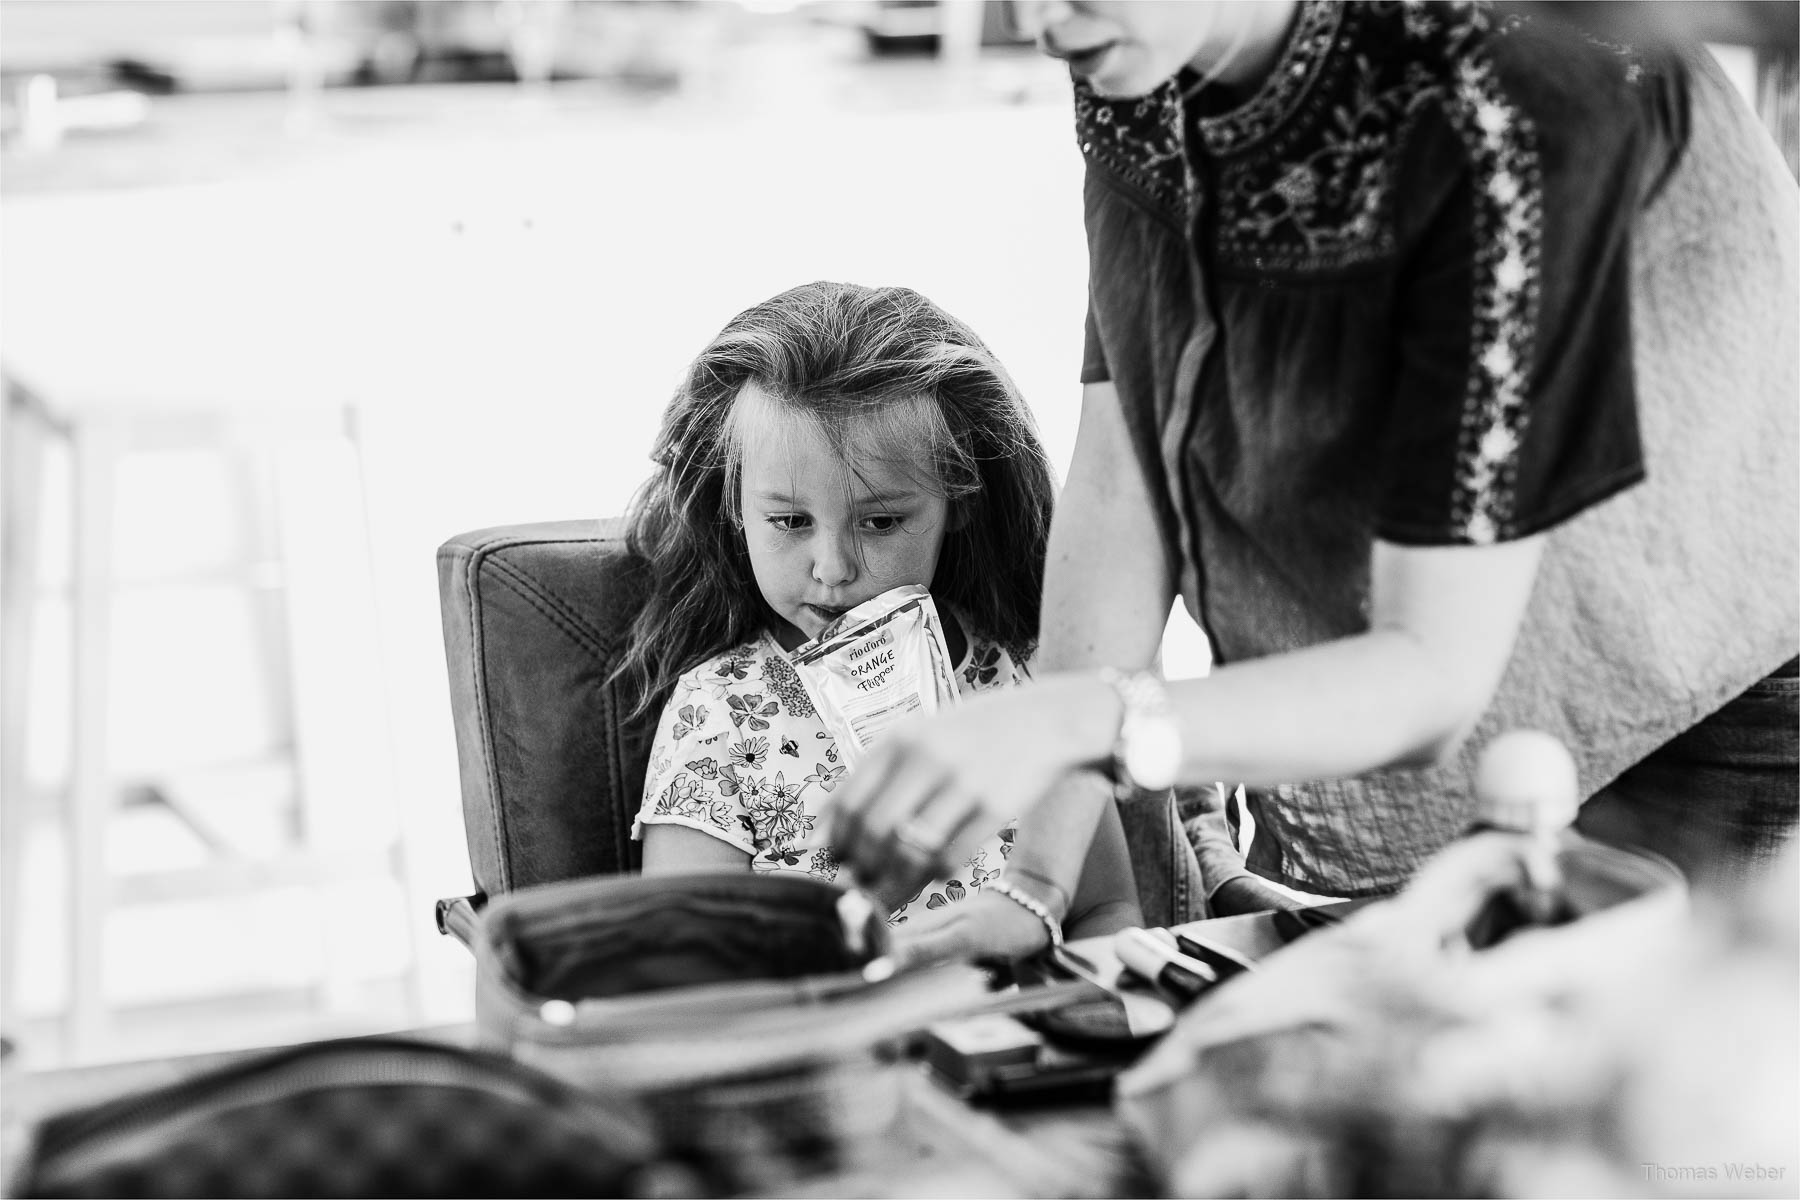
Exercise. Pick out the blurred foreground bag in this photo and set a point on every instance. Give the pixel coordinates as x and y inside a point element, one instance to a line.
<point>1386,1057</point>
<point>355,1117</point>
<point>732,1005</point>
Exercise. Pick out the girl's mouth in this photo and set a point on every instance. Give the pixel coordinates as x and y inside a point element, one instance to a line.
<point>827,615</point>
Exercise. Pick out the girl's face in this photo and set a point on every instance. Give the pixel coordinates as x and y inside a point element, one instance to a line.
<point>1128,47</point>
<point>822,539</point>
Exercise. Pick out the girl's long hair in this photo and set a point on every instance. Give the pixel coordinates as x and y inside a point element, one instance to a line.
<point>836,353</point>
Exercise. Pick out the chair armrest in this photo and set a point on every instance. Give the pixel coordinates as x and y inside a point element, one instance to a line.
<point>457,917</point>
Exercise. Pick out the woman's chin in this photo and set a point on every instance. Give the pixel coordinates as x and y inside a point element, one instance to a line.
<point>1114,87</point>
<point>1118,77</point>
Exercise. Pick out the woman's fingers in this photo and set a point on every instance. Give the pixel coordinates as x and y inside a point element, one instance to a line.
<point>894,818</point>
<point>934,785</point>
<point>1449,892</point>
<point>931,843</point>
<point>845,827</point>
<point>906,834</point>
<point>905,785</point>
<point>866,812</point>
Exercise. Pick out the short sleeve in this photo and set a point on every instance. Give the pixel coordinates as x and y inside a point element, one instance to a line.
<point>691,779</point>
<point>1093,354</point>
<point>1514,407</point>
<point>988,665</point>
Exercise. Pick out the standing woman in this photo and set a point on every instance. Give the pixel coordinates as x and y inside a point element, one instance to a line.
<point>1444,363</point>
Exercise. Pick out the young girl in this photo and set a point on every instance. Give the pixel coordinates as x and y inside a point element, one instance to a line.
<point>833,443</point>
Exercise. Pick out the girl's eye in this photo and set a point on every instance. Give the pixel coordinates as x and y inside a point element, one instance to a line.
<point>787,522</point>
<point>882,523</point>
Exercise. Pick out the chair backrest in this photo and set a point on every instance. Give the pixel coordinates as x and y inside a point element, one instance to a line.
<point>535,618</point>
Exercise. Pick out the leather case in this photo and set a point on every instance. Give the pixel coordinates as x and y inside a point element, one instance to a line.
<point>733,1005</point>
<point>357,1117</point>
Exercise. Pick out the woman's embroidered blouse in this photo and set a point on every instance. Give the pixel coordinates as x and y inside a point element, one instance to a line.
<point>741,755</point>
<point>1398,293</point>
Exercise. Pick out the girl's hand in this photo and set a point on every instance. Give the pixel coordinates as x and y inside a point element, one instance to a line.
<point>933,787</point>
<point>982,926</point>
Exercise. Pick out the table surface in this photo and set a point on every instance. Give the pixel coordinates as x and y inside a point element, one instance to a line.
<point>943,1146</point>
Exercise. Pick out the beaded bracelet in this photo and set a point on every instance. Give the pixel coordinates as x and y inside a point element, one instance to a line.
<point>1032,905</point>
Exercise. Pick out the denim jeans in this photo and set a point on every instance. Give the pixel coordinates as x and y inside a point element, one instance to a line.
<point>1719,800</point>
<point>1170,888</point>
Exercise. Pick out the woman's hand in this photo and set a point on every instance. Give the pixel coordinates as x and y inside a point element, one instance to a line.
<point>983,926</point>
<point>933,787</point>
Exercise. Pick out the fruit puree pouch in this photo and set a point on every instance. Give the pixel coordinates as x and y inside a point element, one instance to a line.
<point>882,661</point>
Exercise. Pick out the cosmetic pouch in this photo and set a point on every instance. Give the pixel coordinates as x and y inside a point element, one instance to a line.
<point>747,1013</point>
<point>355,1117</point>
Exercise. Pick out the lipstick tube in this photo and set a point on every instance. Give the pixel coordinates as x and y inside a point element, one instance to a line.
<point>1150,959</point>
<point>1223,963</point>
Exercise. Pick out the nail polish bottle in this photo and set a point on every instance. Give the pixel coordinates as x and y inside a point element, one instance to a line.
<point>1526,785</point>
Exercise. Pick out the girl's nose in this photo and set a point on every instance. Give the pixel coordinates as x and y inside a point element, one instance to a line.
<point>834,560</point>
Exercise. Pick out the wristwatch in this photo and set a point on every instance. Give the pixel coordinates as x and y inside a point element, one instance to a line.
<point>1147,750</point>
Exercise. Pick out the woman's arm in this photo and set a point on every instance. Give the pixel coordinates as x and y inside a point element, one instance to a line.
<point>1107,591</point>
<point>1107,581</point>
<point>1443,621</point>
<point>1405,693</point>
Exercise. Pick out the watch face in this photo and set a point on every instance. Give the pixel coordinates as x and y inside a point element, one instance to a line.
<point>1153,754</point>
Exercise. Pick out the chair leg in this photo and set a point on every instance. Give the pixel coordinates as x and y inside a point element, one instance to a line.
<point>262,541</point>
<point>23,432</point>
<point>412,905</point>
<point>327,575</point>
<point>288,647</point>
<point>96,453</point>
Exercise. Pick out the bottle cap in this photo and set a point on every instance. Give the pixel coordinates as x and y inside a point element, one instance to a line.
<point>1525,781</point>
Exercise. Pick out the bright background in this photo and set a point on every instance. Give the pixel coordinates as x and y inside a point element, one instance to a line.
<point>505,280</point>
<point>500,267</point>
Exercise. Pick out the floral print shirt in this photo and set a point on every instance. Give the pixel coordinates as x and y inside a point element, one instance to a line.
<point>741,755</point>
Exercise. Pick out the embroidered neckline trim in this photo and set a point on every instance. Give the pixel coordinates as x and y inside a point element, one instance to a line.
<point>1308,47</point>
